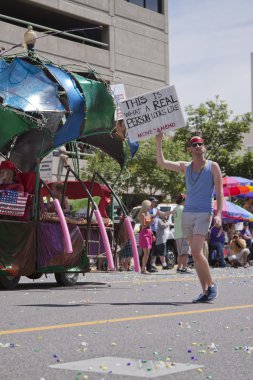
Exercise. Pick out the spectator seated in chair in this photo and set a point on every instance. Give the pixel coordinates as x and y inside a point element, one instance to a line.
<point>247,235</point>
<point>217,241</point>
<point>239,252</point>
<point>9,177</point>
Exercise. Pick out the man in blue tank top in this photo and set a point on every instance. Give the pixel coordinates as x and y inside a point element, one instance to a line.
<point>202,176</point>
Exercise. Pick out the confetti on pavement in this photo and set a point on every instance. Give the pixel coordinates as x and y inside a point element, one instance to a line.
<point>128,367</point>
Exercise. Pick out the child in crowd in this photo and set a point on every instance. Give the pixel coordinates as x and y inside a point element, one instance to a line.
<point>126,253</point>
<point>146,235</point>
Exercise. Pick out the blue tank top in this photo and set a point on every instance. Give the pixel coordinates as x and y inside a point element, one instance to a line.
<point>200,187</point>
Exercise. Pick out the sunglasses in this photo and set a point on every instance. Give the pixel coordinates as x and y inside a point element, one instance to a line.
<point>197,144</point>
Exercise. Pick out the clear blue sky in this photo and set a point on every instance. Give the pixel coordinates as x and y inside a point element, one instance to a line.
<point>210,42</point>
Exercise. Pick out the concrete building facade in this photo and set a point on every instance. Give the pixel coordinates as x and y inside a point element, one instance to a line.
<point>126,41</point>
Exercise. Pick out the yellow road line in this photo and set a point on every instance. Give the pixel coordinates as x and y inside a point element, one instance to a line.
<point>125,319</point>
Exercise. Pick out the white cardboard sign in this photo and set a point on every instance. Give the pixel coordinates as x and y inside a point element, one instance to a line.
<point>46,168</point>
<point>147,115</point>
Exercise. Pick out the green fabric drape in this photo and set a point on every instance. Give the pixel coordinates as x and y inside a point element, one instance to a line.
<point>100,106</point>
<point>12,124</point>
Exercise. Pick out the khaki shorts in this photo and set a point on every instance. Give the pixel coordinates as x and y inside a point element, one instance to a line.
<point>183,247</point>
<point>239,256</point>
<point>196,223</point>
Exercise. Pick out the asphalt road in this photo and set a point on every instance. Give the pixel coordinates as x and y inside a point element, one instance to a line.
<point>128,316</point>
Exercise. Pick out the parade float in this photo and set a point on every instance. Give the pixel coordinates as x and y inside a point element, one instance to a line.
<point>42,107</point>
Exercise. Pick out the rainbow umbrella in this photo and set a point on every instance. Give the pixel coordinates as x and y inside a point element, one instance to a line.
<point>237,190</point>
<point>235,181</point>
<point>248,195</point>
<point>233,186</point>
<point>231,213</point>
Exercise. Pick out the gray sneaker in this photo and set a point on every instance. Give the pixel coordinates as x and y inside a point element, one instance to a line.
<point>212,292</point>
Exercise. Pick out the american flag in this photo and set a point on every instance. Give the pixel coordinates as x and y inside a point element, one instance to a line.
<point>12,202</point>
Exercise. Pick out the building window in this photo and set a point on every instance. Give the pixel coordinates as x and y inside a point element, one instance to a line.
<point>137,2</point>
<point>86,31</point>
<point>153,5</point>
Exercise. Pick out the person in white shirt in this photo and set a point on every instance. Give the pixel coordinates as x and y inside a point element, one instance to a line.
<point>183,248</point>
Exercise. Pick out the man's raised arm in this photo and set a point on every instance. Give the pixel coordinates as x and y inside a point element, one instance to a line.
<point>177,166</point>
<point>219,191</point>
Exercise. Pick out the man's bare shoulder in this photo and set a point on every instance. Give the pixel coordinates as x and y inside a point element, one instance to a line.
<point>216,167</point>
<point>215,164</point>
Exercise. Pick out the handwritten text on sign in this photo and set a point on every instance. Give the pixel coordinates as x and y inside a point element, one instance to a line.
<point>146,115</point>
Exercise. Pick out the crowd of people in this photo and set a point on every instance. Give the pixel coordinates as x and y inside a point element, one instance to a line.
<point>235,242</point>
<point>225,245</point>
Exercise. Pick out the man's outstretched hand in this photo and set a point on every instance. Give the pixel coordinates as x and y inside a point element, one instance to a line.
<point>217,220</point>
<point>159,137</point>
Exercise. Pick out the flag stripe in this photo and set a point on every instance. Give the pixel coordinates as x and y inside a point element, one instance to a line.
<point>12,203</point>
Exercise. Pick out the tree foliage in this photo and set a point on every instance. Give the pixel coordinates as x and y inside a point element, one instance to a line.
<point>103,165</point>
<point>242,166</point>
<point>223,134</point>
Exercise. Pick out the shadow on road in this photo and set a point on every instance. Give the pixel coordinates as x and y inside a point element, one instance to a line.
<point>53,285</point>
<point>107,303</point>
<point>145,303</point>
<point>57,305</point>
